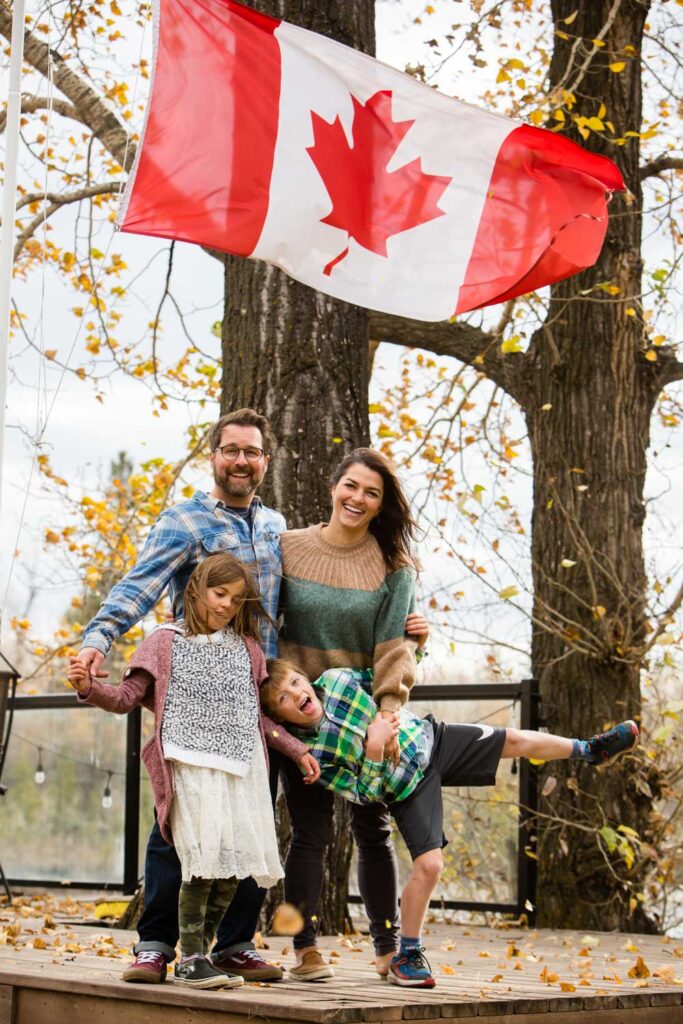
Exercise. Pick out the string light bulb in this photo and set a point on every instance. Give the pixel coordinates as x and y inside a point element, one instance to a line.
<point>106,796</point>
<point>39,777</point>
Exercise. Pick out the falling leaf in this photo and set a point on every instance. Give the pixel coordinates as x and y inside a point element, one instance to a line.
<point>567,563</point>
<point>508,592</point>
<point>618,66</point>
<point>549,785</point>
<point>287,920</point>
<point>547,407</point>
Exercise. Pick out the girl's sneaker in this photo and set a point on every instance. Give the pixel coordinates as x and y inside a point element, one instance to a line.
<point>198,972</point>
<point>608,746</point>
<point>411,969</point>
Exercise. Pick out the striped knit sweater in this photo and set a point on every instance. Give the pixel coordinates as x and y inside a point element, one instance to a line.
<point>342,609</point>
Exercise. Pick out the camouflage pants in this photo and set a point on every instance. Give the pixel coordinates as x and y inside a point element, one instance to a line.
<point>201,905</point>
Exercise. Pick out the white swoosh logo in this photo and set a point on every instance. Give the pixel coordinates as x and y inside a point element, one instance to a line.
<point>486,731</point>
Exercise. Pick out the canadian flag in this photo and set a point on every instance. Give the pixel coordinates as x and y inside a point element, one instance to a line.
<point>269,141</point>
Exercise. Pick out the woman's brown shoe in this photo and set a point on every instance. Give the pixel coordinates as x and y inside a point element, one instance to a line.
<point>311,968</point>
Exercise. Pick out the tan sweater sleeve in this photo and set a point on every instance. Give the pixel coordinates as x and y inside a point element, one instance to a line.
<point>394,654</point>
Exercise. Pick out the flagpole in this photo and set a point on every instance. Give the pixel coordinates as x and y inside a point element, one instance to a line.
<point>7,231</point>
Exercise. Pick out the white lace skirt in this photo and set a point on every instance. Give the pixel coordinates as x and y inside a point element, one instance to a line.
<point>223,825</point>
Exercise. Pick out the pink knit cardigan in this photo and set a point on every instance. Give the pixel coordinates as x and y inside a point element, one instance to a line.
<point>145,682</point>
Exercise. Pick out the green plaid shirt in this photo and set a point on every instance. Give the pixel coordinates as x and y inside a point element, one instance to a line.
<point>337,743</point>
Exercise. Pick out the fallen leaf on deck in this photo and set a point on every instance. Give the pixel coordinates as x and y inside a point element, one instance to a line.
<point>639,969</point>
<point>566,986</point>
<point>548,976</point>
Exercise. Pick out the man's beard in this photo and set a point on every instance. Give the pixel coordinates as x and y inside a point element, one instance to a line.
<point>237,488</point>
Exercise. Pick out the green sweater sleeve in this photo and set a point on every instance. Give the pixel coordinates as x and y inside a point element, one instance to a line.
<point>394,654</point>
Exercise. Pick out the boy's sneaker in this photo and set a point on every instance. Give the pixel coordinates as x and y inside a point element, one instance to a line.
<point>199,972</point>
<point>411,969</point>
<point>248,965</point>
<point>311,968</point>
<point>149,967</point>
<point>608,746</point>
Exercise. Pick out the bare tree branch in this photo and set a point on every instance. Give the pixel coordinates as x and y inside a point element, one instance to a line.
<point>90,110</point>
<point>29,105</point>
<point>481,349</point>
<point>658,166</point>
<point>56,202</point>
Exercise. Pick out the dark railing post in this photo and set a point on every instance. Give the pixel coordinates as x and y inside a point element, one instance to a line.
<point>528,806</point>
<point>132,810</point>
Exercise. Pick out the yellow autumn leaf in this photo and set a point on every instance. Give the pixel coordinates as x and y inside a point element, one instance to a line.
<point>651,356</point>
<point>508,592</point>
<point>567,563</point>
<point>639,969</point>
<point>549,976</point>
<point>566,986</point>
<point>512,344</point>
<point>51,537</point>
<point>618,66</point>
<point>570,19</point>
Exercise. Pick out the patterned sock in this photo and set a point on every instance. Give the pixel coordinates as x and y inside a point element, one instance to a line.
<point>408,944</point>
<point>581,751</point>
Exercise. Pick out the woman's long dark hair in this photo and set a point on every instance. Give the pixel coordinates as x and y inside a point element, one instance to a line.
<point>394,528</point>
<point>214,571</point>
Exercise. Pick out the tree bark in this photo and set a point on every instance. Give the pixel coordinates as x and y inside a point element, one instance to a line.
<point>301,358</point>
<point>589,448</point>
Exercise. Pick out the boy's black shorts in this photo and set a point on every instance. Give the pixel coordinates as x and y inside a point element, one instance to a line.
<point>463,755</point>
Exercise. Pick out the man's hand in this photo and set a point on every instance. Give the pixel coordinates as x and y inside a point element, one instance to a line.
<point>310,769</point>
<point>382,737</point>
<point>417,628</point>
<point>79,676</point>
<point>92,659</point>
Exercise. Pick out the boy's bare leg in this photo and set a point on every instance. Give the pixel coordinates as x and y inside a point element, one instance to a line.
<point>542,746</point>
<point>425,874</point>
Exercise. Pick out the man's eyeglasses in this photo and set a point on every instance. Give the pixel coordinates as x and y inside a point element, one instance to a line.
<point>230,452</point>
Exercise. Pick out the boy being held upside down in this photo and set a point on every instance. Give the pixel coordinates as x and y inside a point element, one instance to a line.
<point>337,716</point>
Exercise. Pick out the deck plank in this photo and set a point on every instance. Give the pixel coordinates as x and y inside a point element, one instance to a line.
<point>481,973</point>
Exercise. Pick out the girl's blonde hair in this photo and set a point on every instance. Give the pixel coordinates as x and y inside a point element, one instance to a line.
<point>216,571</point>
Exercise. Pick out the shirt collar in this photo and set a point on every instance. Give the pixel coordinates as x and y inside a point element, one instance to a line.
<point>213,503</point>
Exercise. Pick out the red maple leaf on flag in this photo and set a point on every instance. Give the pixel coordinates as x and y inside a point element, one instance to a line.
<point>368,201</point>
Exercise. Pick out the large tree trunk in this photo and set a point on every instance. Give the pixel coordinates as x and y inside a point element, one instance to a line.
<point>301,358</point>
<point>589,449</point>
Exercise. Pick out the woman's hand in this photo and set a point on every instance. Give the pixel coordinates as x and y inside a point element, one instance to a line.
<point>310,769</point>
<point>381,736</point>
<point>391,748</point>
<point>78,675</point>
<point>417,628</point>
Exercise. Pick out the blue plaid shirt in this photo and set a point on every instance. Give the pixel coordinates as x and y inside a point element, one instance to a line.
<point>182,537</point>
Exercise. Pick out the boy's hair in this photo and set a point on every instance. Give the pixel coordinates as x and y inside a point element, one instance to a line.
<point>241,418</point>
<point>278,669</point>
<point>215,571</point>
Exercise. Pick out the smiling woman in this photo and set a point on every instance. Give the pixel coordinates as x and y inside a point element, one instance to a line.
<point>348,587</point>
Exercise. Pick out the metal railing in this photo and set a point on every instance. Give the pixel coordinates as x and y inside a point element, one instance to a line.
<point>525,693</point>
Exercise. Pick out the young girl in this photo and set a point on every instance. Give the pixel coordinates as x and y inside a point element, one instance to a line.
<point>207,761</point>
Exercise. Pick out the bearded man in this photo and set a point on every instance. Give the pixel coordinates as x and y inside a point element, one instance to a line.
<point>230,518</point>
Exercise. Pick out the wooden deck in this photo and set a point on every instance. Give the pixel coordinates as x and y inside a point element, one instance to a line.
<point>69,974</point>
<point>512,975</point>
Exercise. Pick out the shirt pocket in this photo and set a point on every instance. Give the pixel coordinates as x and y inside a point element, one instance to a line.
<point>215,543</point>
<point>271,541</point>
